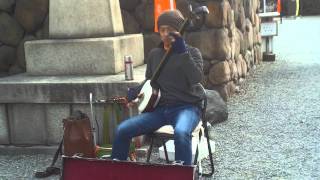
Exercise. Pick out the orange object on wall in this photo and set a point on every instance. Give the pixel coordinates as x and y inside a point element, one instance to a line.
<point>279,6</point>
<point>159,7</point>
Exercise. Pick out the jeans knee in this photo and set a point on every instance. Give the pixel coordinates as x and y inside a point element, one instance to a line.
<point>181,135</point>
<point>121,131</point>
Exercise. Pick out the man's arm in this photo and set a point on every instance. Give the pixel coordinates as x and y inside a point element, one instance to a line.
<point>192,65</point>
<point>148,73</point>
<point>190,59</point>
<point>133,92</point>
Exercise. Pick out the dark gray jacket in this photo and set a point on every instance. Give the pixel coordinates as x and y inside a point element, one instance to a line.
<point>180,78</point>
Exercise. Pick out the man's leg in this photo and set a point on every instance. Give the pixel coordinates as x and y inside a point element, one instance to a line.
<point>141,124</point>
<point>185,121</point>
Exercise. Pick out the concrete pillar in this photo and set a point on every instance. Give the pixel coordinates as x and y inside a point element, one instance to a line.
<point>27,124</point>
<point>54,116</point>
<point>4,134</point>
<point>86,41</point>
<point>84,19</point>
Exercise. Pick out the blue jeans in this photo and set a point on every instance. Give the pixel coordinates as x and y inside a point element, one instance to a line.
<point>183,118</point>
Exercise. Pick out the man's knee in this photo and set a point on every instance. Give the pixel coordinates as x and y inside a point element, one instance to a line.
<point>181,135</point>
<point>122,131</point>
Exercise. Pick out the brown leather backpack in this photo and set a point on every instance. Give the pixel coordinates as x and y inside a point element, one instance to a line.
<point>77,139</point>
<point>78,136</point>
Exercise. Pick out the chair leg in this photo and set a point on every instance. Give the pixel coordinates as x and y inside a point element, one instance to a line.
<point>196,156</point>
<point>165,150</point>
<point>150,150</point>
<point>195,161</point>
<point>209,149</point>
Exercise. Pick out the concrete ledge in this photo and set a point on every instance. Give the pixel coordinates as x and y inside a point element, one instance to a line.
<point>65,89</point>
<point>95,56</point>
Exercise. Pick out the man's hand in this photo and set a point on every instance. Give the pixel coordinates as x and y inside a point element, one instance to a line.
<point>178,44</point>
<point>171,37</point>
<point>132,93</point>
<point>135,101</point>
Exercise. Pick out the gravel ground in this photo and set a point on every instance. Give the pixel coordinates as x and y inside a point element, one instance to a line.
<point>273,128</point>
<point>22,166</point>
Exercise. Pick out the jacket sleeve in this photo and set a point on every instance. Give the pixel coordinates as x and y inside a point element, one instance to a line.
<point>148,73</point>
<point>133,92</point>
<point>192,65</point>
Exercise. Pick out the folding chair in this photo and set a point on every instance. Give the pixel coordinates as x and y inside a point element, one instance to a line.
<point>166,133</point>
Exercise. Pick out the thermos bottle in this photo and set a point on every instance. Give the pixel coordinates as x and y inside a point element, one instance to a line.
<point>128,67</point>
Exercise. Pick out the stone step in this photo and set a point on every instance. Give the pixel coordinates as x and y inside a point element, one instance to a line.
<point>92,56</point>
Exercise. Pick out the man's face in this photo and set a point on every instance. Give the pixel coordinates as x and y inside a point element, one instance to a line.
<point>164,31</point>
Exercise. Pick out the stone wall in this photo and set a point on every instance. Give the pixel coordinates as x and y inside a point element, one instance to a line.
<point>229,39</point>
<point>306,7</point>
<point>20,21</point>
<point>309,7</point>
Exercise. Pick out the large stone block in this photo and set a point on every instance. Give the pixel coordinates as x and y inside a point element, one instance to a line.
<point>21,60</point>
<point>4,131</point>
<point>131,26</point>
<point>7,57</point>
<point>217,109</point>
<point>10,32</point>
<point>129,5</point>
<point>96,56</point>
<point>248,35</point>
<point>311,7</point>
<point>55,114</point>
<point>225,90</point>
<point>6,5</point>
<point>220,14</point>
<point>213,43</point>
<point>84,19</point>
<point>220,73</point>
<point>31,13</point>
<point>151,41</point>
<point>27,124</point>
<point>144,13</point>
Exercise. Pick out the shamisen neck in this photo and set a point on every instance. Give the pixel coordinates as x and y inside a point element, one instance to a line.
<point>166,47</point>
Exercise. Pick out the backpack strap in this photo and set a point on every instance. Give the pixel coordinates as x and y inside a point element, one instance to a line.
<point>51,170</point>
